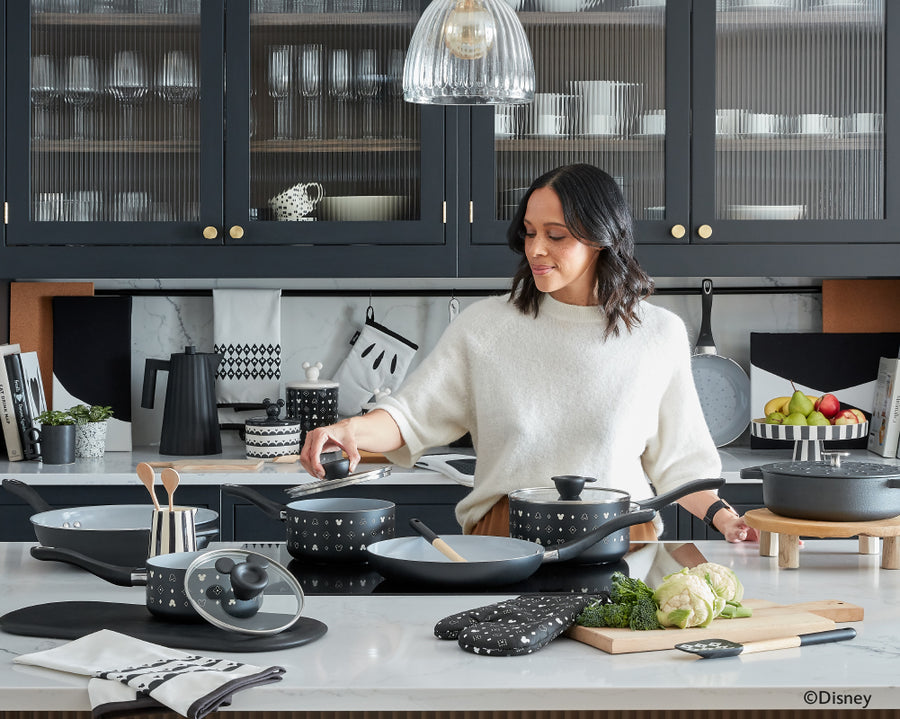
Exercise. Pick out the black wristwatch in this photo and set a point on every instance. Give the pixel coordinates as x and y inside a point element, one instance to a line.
<point>713,509</point>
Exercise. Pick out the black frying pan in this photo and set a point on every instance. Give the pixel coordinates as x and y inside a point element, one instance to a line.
<point>722,384</point>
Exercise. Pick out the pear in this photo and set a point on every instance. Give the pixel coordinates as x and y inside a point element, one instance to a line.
<point>817,418</point>
<point>800,403</point>
<point>775,418</point>
<point>795,418</point>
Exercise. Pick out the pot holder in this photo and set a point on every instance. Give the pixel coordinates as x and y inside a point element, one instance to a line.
<point>518,626</point>
<point>378,359</point>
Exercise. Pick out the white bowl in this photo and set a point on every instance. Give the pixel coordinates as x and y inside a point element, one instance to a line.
<point>360,208</point>
<point>765,212</point>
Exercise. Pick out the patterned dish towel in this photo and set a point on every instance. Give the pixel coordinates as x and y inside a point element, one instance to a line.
<point>247,333</point>
<point>129,675</point>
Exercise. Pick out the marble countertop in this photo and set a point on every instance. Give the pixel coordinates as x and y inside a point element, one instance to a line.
<point>379,653</point>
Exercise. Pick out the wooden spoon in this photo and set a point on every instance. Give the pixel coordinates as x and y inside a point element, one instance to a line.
<point>147,476</point>
<point>170,481</point>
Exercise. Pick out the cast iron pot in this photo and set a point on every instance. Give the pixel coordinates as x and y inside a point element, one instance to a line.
<point>327,529</point>
<point>115,533</point>
<point>830,491</point>
<point>552,517</point>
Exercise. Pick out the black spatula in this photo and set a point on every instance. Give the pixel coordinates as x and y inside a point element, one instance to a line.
<point>713,648</point>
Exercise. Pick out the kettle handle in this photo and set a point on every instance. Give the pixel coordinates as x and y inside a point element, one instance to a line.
<point>151,367</point>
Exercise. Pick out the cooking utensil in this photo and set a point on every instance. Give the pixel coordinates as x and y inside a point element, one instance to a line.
<point>323,485</point>
<point>769,621</point>
<point>225,587</point>
<point>326,529</point>
<point>114,533</point>
<point>435,541</point>
<point>552,516</point>
<point>722,384</point>
<point>212,465</point>
<point>170,481</point>
<point>491,561</point>
<point>831,490</point>
<point>147,476</point>
<point>717,648</point>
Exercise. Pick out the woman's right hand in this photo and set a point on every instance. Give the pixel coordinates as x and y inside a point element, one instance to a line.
<point>327,439</point>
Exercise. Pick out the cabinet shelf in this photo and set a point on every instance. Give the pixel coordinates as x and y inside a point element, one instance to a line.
<point>555,144</point>
<point>332,146</point>
<point>277,21</point>
<point>66,20</point>
<point>799,143</point>
<point>743,20</point>
<point>116,146</point>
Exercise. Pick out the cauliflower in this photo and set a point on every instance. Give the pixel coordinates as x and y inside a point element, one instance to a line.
<point>723,580</point>
<point>686,600</point>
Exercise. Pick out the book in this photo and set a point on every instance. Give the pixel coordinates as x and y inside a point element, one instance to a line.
<point>884,427</point>
<point>24,418</point>
<point>34,384</point>
<point>10,430</point>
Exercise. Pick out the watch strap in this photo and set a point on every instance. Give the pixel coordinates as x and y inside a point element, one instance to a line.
<point>713,509</point>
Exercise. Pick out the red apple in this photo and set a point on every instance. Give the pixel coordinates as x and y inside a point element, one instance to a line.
<point>845,416</point>
<point>828,405</point>
<point>859,415</point>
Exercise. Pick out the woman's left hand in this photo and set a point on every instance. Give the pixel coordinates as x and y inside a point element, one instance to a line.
<point>734,528</point>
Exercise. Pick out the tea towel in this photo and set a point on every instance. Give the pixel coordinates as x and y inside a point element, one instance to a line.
<point>129,675</point>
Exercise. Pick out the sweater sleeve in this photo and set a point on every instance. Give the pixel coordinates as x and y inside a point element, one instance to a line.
<point>682,448</point>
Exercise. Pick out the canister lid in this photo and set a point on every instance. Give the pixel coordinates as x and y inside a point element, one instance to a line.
<point>312,379</point>
<point>273,409</point>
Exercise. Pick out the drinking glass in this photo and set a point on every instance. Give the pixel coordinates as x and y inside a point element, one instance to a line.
<point>280,88</point>
<point>396,60</point>
<point>89,205</point>
<point>44,92</point>
<point>128,84</point>
<point>367,85</point>
<point>81,88</point>
<point>177,84</point>
<point>131,206</point>
<point>340,89</point>
<point>47,206</point>
<point>310,72</point>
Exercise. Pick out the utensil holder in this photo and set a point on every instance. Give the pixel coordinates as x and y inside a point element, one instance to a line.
<point>172,531</point>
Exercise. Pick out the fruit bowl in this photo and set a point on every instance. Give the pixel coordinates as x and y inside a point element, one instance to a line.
<point>808,439</point>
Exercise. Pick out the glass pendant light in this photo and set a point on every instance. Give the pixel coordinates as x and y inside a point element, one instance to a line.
<point>469,52</point>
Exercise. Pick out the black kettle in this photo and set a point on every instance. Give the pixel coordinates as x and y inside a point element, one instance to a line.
<point>190,420</point>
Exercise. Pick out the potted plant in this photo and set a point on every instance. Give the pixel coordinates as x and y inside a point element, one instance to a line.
<point>90,429</point>
<point>56,436</point>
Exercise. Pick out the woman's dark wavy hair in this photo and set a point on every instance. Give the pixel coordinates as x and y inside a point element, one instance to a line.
<point>595,212</point>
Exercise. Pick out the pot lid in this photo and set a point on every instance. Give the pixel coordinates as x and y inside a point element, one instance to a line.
<point>273,409</point>
<point>569,488</point>
<point>828,468</point>
<point>241,591</point>
<point>312,379</point>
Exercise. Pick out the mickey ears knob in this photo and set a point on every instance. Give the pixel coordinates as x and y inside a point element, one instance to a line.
<point>312,370</point>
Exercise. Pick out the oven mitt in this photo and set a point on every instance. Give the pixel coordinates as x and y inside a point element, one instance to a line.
<point>129,675</point>
<point>518,626</point>
<point>378,359</point>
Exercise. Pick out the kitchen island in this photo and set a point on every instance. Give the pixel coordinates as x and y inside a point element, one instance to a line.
<point>379,653</point>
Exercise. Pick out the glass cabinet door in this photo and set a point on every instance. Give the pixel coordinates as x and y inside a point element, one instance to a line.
<point>107,122</point>
<point>796,138</point>
<point>322,148</point>
<point>608,94</point>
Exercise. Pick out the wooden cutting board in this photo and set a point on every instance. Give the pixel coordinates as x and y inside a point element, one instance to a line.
<point>212,465</point>
<point>861,305</point>
<point>769,621</point>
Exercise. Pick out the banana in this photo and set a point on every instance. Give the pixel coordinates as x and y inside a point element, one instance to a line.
<point>779,404</point>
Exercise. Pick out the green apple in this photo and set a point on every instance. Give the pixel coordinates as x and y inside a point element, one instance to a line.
<point>817,419</point>
<point>775,418</point>
<point>797,418</point>
<point>800,403</point>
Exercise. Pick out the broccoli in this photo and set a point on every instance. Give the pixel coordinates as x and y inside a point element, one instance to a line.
<point>628,590</point>
<point>630,604</point>
<point>643,615</point>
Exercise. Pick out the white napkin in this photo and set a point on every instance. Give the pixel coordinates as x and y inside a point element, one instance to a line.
<point>131,674</point>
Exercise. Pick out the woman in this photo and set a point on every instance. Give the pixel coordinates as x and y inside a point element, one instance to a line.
<point>571,373</point>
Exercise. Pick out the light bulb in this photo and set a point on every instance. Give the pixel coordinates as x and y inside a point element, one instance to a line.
<point>469,30</point>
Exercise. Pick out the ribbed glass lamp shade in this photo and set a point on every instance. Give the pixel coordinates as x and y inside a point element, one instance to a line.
<point>469,52</point>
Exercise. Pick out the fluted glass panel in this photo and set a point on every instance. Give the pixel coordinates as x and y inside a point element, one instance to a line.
<point>800,109</point>
<point>331,138</point>
<point>114,91</point>
<point>600,72</point>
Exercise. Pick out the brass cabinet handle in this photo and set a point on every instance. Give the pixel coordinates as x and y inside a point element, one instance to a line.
<point>236,232</point>
<point>705,231</point>
<point>677,231</point>
<point>210,232</point>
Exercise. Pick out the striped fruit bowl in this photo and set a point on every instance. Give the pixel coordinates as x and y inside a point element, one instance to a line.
<point>808,439</point>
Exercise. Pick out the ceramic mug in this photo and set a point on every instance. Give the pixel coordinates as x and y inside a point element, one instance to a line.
<point>297,201</point>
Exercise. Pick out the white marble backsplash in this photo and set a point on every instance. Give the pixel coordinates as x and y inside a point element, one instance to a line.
<point>319,328</point>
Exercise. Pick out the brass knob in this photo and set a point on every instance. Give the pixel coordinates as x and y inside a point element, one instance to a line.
<point>705,231</point>
<point>677,231</point>
<point>236,232</point>
<point>210,232</point>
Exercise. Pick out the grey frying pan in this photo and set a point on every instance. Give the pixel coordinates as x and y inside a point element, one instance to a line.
<point>722,384</point>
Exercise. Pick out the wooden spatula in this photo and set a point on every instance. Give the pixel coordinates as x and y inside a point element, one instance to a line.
<point>715,648</point>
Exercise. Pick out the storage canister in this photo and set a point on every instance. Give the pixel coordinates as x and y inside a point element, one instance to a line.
<point>270,437</point>
<point>312,403</point>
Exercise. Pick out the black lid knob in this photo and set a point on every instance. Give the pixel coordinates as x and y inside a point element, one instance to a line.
<point>569,486</point>
<point>190,350</point>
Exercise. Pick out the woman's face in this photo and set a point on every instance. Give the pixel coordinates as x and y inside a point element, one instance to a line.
<point>561,265</point>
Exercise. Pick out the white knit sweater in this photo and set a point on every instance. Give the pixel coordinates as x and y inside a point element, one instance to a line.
<point>548,395</point>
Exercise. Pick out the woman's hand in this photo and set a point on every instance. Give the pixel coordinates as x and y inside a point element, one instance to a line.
<point>327,439</point>
<point>733,527</point>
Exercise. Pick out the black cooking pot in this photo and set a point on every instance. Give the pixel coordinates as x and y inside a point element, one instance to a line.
<point>551,517</point>
<point>115,533</point>
<point>327,529</point>
<point>830,490</point>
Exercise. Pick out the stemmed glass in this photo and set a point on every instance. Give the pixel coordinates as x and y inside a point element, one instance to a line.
<point>128,85</point>
<point>80,88</point>
<point>395,84</point>
<point>44,91</point>
<point>177,84</point>
<point>367,85</point>
<point>340,89</point>
<point>280,88</point>
<point>310,72</point>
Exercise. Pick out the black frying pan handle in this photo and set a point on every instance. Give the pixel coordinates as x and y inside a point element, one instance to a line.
<point>666,498</point>
<point>28,493</point>
<point>120,576</point>
<point>751,473</point>
<point>571,550</point>
<point>273,509</point>
<point>705,340</point>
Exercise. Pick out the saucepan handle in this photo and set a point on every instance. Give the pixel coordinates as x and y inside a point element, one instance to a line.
<point>273,509</point>
<point>120,576</point>
<point>571,550</point>
<point>751,473</point>
<point>665,499</point>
